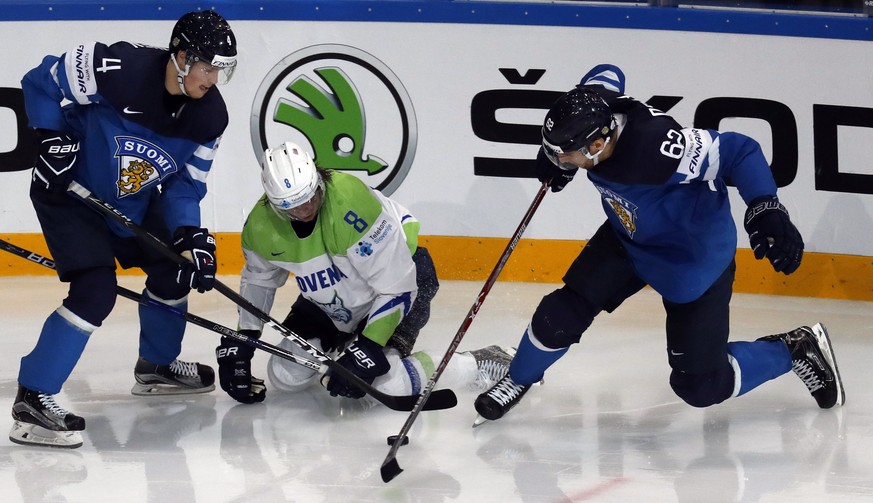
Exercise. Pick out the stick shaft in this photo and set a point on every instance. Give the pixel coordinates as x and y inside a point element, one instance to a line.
<point>390,468</point>
<point>191,318</point>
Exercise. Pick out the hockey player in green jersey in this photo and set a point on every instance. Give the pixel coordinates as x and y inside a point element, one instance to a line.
<point>365,286</point>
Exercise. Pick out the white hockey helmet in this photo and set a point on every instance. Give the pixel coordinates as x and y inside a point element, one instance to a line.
<point>290,177</point>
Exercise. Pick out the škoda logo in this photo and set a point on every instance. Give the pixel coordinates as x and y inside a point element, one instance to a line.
<point>346,105</point>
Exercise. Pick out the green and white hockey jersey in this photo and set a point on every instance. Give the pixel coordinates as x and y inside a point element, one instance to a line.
<point>355,265</point>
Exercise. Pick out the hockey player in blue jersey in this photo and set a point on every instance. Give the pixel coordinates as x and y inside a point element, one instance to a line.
<point>669,226</point>
<point>140,131</point>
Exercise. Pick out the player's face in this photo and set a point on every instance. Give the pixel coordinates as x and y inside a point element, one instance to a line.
<point>307,211</point>
<point>579,158</point>
<point>575,158</point>
<point>200,79</point>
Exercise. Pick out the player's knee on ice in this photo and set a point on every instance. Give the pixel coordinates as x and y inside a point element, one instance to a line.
<point>703,390</point>
<point>288,376</point>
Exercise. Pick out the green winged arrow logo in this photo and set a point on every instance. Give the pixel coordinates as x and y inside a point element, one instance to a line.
<point>333,121</point>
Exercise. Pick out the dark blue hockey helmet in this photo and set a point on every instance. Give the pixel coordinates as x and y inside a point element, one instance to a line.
<point>205,36</point>
<point>576,119</point>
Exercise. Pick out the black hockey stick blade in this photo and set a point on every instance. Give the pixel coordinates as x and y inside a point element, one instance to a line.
<point>390,469</point>
<point>444,399</point>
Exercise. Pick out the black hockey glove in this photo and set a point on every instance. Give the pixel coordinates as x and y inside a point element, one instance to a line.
<point>235,370</point>
<point>365,359</point>
<point>772,235</point>
<point>335,342</point>
<point>53,167</point>
<point>557,177</point>
<point>198,246</point>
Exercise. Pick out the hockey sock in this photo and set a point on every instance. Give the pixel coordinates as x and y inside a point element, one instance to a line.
<point>532,359</point>
<point>161,332</point>
<point>406,376</point>
<point>61,343</point>
<point>460,372</point>
<point>758,362</point>
<point>419,366</point>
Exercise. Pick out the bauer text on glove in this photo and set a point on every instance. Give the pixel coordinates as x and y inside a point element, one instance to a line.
<point>364,358</point>
<point>235,370</point>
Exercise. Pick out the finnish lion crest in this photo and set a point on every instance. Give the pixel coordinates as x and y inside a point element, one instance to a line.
<point>132,178</point>
<point>140,164</point>
<point>625,210</point>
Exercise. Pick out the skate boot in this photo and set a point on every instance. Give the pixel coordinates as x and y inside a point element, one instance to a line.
<point>496,402</point>
<point>493,364</point>
<point>177,378</point>
<point>813,360</point>
<point>39,420</point>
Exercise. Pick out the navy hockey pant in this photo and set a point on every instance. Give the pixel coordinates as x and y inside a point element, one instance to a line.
<point>85,251</point>
<point>601,278</point>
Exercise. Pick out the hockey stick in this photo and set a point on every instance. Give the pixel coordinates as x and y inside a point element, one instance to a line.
<point>444,400</point>
<point>191,318</point>
<point>390,467</point>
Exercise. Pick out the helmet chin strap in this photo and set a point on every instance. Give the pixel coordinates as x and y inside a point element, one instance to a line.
<point>618,122</point>
<point>181,74</point>
<point>595,158</point>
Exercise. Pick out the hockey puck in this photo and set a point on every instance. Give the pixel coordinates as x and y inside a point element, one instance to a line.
<point>393,438</point>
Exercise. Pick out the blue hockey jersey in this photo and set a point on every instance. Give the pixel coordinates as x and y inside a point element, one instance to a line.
<point>663,190</point>
<point>135,136</point>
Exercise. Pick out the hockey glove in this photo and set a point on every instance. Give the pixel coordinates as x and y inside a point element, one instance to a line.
<point>772,235</point>
<point>557,177</point>
<point>334,342</point>
<point>235,370</point>
<point>53,167</point>
<point>365,359</point>
<point>198,246</point>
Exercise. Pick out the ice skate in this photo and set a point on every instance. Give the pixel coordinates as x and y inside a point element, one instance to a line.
<point>177,378</point>
<point>39,420</point>
<point>496,402</point>
<point>813,360</point>
<point>493,364</point>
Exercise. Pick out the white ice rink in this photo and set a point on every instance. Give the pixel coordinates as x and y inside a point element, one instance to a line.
<point>604,427</point>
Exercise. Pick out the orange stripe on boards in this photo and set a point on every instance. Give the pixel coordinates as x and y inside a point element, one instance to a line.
<point>822,275</point>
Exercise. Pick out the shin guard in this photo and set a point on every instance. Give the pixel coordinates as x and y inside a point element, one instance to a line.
<point>161,332</point>
<point>61,343</point>
<point>532,359</point>
<point>758,362</point>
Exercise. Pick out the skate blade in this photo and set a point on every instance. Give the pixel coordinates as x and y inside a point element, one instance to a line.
<point>824,342</point>
<point>31,434</point>
<point>140,389</point>
<point>479,421</point>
